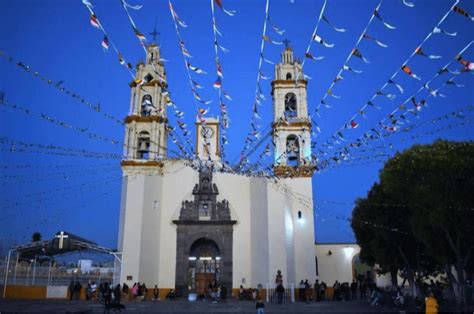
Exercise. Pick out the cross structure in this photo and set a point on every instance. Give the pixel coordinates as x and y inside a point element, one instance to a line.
<point>61,236</point>
<point>287,43</point>
<point>154,33</point>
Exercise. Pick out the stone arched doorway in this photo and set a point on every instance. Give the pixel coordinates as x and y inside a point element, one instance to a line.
<point>204,265</point>
<point>204,240</point>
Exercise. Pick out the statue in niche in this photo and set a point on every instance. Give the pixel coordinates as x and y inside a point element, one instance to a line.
<point>278,278</point>
<point>147,106</point>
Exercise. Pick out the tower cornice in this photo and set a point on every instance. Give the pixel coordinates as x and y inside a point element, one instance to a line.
<point>294,172</point>
<point>135,118</point>
<point>289,83</point>
<point>152,83</point>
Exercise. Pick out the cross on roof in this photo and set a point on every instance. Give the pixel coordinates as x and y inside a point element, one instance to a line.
<point>154,33</point>
<point>287,43</point>
<point>61,236</point>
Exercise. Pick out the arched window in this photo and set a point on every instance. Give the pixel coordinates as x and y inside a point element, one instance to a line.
<point>290,106</point>
<point>143,145</point>
<point>288,76</point>
<point>292,151</point>
<point>147,105</point>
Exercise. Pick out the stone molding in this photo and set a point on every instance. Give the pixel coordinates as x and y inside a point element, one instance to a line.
<point>294,172</point>
<point>135,118</point>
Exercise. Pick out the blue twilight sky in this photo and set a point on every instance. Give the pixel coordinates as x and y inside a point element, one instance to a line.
<point>46,193</point>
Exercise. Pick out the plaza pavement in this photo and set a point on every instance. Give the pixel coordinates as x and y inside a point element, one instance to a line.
<point>232,306</point>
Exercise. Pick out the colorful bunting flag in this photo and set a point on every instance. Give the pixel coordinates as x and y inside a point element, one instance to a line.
<point>354,124</point>
<point>195,69</point>
<point>322,42</point>
<point>139,35</point>
<point>95,21</point>
<point>228,12</point>
<point>105,43</point>
<point>369,103</point>
<point>310,56</point>
<point>437,30</point>
<point>356,53</point>
<point>463,12</point>
<point>408,71</point>
<point>227,96</point>
<point>176,17</point>
<point>377,15</point>
<point>268,39</point>
<point>134,7</point>
<point>400,88</point>
<point>408,4</point>
<point>347,68</point>
<point>218,83</point>
<point>368,37</point>
<point>340,30</point>
<point>420,52</point>
<point>468,66</point>
<point>219,69</point>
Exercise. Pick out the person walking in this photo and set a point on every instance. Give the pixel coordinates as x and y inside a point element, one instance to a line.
<point>260,306</point>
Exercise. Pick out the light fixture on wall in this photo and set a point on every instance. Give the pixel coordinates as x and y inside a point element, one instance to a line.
<point>329,253</point>
<point>300,216</point>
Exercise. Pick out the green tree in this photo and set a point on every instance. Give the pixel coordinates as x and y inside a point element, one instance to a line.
<point>437,182</point>
<point>420,216</point>
<point>36,237</point>
<point>384,235</point>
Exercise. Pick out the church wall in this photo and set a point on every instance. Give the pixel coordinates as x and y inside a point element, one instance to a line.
<point>301,199</point>
<point>149,259</point>
<point>123,200</point>
<point>259,232</point>
<point>336,265</point>
<point>278,232</point>
<point>133,213</point>
<point>178,183</point>
<point>236,190</point>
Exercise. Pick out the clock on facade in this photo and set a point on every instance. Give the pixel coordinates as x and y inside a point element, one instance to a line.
<point>207,132</point>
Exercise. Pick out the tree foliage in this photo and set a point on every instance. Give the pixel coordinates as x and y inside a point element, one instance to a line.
<point>36,237</point>
<point>421,214</point>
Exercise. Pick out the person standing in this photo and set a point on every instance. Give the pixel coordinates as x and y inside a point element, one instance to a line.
<point>280,290</point>
<point>431,304</point>
<point>260,306</point>
<point>354,290</point>
<point>156,293</point>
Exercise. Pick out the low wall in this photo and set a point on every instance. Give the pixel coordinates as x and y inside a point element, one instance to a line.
<point>26,292</point>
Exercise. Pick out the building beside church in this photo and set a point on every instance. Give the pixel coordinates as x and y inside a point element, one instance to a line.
<point>182,228</point>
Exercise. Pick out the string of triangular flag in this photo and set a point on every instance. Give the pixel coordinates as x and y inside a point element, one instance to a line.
<point>59,86</point>
<point>395,121</point>
<point>224,123</point>
<point>253,133</point>
<point>107,40</point>
<point>353,123</point>
<point>355,52</point>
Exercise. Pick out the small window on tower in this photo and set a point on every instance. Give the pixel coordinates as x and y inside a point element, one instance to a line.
<point>148,78</point>
<point>292,151</point>
<point>290,106</point>
<point>288,76</point>
<point>143,145</point>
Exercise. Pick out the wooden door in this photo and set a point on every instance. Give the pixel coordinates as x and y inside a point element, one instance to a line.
<point>202,281</point>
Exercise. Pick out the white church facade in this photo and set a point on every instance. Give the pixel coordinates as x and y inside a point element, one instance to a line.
<point>182,228</point>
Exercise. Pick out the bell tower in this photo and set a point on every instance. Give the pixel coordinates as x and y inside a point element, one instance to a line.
<point>291,122</point>
<point>146,133</point>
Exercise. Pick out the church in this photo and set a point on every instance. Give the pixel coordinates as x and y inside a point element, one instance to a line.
<point>181,228</point>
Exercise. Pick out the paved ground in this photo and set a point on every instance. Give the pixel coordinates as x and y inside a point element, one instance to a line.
<point>62,306</point>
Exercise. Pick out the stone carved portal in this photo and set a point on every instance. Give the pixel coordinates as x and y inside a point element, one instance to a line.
<point>204,240</point>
